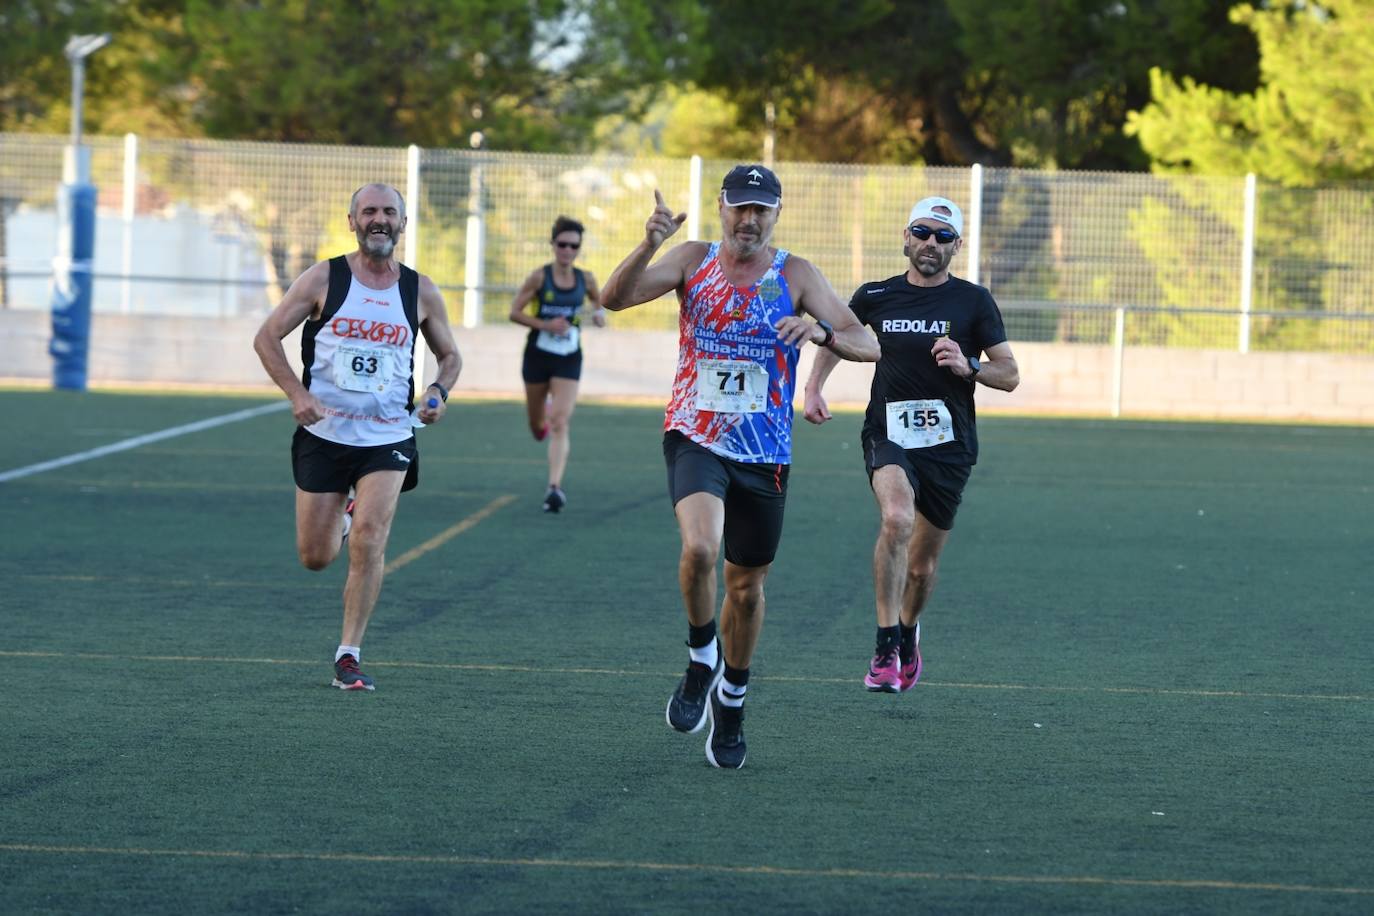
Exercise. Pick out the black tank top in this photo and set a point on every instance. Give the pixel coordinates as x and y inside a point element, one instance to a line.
<point>560,303</point>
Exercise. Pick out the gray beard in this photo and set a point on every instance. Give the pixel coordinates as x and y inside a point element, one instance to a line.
<point>746,250</point>
<point>378,246</point>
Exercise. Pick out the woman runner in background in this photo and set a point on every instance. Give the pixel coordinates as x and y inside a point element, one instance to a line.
<point>553,353</point>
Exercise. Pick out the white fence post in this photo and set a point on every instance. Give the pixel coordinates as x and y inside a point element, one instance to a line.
<point>973,229</point>
<point>973,225</point>
<point>1118,359</point>
<point>694,200</point>
<point>1247,263</point>
<point>473,263</point>
<point>412,259</point>
<point>413,208</point>
<point>130,202</point>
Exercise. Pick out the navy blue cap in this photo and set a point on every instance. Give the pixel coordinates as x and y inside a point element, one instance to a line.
<point>751,184</point>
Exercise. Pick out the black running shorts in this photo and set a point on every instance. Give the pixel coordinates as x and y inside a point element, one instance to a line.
<point>538,367</point>
<point>938,485</point>
<point>321,466</point>
<point>753,494</point>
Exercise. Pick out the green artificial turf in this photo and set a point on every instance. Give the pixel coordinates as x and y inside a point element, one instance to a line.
<point>1146,681</point>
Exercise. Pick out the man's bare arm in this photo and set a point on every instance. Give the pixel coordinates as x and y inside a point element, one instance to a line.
<point>999,369</point>
<point>300,302</point>
<point>634,281</point>
<point>813,294</point>
<point>439,337</point>
<point>814,406</point>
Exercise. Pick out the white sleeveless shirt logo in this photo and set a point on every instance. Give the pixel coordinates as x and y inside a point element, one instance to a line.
<point>362,370</point>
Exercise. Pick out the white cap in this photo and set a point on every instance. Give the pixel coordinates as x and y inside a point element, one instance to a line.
<point>926,209</point>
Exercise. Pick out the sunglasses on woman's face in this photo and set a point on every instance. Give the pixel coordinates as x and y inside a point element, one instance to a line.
<point>573,245</point>
<point>943,236</point>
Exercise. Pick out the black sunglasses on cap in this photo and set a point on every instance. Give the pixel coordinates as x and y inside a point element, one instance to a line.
<point>943,236</point>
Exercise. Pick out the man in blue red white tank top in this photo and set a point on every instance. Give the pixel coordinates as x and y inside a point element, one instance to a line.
<point>353,403</point>
<point>728,427</point>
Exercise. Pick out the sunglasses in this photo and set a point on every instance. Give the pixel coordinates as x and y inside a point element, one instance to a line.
<point>573,245</point>
<point>943,236</point>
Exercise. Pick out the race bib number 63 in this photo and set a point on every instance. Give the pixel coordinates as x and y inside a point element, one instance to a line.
<point>919,423</point>
<point>361,368</point>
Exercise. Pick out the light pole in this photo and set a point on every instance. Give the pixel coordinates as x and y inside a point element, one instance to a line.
<point>71,302</point>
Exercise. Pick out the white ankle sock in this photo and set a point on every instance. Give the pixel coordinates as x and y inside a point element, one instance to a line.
<point>708,654</point>
<point>731,694</point>
<point>348,650</point>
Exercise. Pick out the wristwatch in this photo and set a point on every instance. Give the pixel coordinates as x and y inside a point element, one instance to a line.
<point>443,392</point>
<point>829,334</point>
<point>974,367</point>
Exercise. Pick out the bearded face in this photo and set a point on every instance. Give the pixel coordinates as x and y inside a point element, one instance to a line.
<point>377,220</point>
<point>929,256</point>
<point>747,229</point>
<point>377,239</point>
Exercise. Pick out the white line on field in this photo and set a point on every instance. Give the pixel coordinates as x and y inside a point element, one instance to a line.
<point>626,865</point>
<point>136,441</point>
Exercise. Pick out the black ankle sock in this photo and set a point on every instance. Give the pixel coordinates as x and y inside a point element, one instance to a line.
<point>908,643</point>
<point>887,639</point>
<point>700,637</point>
<point>737,676</point>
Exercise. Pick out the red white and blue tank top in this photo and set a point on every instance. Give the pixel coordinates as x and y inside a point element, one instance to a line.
<point>735,379</point>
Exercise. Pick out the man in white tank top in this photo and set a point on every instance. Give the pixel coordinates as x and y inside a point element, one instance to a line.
<point>353,403</point>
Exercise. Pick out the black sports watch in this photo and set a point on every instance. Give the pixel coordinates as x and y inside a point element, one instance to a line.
<point>829,334</point>
<point>443,392</point>
<point>974,367</point>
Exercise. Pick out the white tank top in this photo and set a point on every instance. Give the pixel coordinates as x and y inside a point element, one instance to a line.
<point>359,363</point>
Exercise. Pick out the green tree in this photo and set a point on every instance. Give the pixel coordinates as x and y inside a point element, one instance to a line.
<point>528,74</point>
<point>1303,127</point>
<point>35,77</point>
<point>1308,121</point>
<point>681,121</point>
<point>1038,84</point>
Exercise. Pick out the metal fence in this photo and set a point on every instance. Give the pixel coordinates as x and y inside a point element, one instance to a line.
<point>194,227</point>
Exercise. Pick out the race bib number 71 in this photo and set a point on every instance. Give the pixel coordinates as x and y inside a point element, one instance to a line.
<point>919,423</point>
<point>731,386</point>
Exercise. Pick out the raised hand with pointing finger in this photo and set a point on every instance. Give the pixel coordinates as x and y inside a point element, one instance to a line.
<point>662,223</point>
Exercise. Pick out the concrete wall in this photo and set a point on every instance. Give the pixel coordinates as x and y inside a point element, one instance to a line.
<point>1055,378</point>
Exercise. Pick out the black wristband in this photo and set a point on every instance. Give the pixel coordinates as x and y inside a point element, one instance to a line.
<point>829,334</point>
<point>443,392</point>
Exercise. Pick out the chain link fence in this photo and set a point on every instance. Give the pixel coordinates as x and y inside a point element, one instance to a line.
<point>219,228</point>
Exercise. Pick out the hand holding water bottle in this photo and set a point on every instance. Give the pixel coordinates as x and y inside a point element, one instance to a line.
<point>430,408</point>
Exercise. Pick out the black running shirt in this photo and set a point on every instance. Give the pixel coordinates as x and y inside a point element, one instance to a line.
<point>908,319</point>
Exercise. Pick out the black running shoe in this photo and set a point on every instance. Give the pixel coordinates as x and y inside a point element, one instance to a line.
<point>555,500</point>
<point>348,677</point>
<point>687,705</point>
<point>725,746</point>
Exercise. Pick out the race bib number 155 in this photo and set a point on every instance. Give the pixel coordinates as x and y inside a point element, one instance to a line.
<point>919,423</point>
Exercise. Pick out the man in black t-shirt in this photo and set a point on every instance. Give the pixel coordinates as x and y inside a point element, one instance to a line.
<point>919,434</point>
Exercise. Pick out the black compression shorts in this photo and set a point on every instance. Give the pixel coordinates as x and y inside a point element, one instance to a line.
<point>538,367</point>
<point>321,466</point>
<point>938,485</point>
<point>754,495</point>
